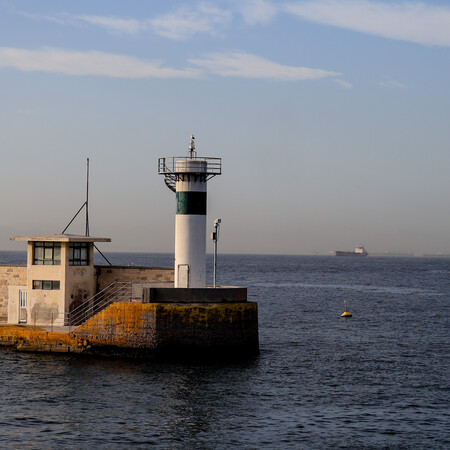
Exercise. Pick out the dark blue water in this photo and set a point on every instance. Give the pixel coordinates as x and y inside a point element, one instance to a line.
<point>377,380</point>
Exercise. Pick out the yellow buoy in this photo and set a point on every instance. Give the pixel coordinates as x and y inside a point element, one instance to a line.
<point>346,314</point>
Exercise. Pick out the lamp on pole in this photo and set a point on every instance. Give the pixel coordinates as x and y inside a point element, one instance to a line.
<point>215,238</point>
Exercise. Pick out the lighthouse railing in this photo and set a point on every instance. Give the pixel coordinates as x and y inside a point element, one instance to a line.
<point>168,165</point>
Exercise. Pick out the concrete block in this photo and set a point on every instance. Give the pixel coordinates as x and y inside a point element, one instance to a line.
<point>224,294</point>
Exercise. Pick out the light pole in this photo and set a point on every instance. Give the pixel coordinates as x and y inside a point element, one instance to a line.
<point>215,238</point>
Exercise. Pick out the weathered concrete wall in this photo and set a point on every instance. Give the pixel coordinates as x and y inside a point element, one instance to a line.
<point>150,329</point>
<point>172,327</point>
<point>35,339</point>
<point>43,306</point>
<point>80,285</point>
<point>108,274</point>
<point>122,325</point>
<point>10,276</point>
<point>232,326</point>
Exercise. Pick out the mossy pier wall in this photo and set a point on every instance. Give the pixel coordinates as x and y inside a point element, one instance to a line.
<point>147,329</point>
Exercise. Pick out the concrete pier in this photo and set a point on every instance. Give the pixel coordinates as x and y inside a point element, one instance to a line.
<point>132,329</point>
<point>132,311</point>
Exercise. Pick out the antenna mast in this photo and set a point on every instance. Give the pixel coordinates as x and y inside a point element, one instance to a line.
<point>84,205</point>
<point>87,197</point>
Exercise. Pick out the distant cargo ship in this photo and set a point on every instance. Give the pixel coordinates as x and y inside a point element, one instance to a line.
<point>359,251</point>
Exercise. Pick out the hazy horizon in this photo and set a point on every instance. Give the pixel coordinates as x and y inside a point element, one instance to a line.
<point>386,253</point>
<point>331,118</point>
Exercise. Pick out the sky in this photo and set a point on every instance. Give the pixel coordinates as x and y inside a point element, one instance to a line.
<point>332,119</point>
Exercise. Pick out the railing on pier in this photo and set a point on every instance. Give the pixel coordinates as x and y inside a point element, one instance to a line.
<point>115,292</point>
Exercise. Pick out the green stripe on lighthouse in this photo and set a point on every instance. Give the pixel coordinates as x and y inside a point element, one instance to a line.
<point>191,203</point>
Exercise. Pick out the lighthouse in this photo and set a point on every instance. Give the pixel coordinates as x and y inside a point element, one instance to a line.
<point>187,176</point>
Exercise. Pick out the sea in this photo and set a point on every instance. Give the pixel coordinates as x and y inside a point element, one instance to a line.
<point>379,379</point>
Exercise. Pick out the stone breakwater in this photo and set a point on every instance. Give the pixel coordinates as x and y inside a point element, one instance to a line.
<point>146,329</point>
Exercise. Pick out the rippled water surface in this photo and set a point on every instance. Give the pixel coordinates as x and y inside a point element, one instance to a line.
<point>377,380</point>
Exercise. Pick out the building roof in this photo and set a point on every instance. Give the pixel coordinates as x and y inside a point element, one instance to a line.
<point>59,238</point>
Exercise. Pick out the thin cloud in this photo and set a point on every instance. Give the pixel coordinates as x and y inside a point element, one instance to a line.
<point>130,26</point>
<point>258,11</point>
<point>88,63</point>
<point>58,20</point>
<point>245,65</point>
<point>343,83</point>
<point>416,22</point>
<point>94,63</point>
<point>187,21</point>
<point>183,23</point>
<point>114,24</point>
<point>389,82</point>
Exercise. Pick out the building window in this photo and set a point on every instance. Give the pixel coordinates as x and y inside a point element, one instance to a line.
<point>46,285</point>
<point>78,254</point>
<point>47,253</point>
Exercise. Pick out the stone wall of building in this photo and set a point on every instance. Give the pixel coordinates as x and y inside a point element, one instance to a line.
<point>10,276</point>
<point>156,275</point>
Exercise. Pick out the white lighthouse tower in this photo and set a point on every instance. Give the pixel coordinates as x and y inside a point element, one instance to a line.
<point>188,176</point>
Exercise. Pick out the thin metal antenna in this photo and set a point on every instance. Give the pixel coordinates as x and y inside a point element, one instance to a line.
<point>87,197</point>
<point>86,205</point>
